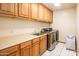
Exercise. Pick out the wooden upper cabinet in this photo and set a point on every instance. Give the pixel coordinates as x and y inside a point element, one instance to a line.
<point>45,14</point>
<point>48,15</point>
<point>41,12</point>
<point>34,10</point>
<point>8,8</point>
<point>24,10</point>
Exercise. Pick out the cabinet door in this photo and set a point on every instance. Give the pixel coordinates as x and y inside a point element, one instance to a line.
<point>27,51</point>
<point>48,15</point>
<point>26,48</point>
<point>8,8</point>
<point>24,10</point>
<point>34,11</point>
<point>43,44</point>
<point>41,12</point>
<point>36,49</point>
<point>11,51</point>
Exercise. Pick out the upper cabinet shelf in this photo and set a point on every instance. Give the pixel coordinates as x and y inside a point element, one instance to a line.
<point>34,11</point>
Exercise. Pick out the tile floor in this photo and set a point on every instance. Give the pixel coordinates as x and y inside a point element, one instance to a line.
<point>60,50</point>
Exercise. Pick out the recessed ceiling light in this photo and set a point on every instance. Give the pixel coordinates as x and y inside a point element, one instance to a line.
<point>57,4</point>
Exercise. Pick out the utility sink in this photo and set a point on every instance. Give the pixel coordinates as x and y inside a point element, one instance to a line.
<point>37,33</point>
<point>40,33</point>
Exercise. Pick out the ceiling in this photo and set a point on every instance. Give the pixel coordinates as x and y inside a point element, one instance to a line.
<point>63,6</point>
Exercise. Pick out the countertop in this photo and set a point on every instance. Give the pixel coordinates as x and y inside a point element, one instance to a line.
<point>9,41</point>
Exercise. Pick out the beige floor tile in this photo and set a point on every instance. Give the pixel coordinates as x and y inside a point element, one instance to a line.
<point>60,50</point>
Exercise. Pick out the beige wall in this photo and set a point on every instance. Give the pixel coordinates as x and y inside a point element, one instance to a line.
<point>12,26</point>
<point>65,22</point>
<point>77,23</point>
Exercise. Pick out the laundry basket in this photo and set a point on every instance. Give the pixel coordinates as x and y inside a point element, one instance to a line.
<point>70,44</point>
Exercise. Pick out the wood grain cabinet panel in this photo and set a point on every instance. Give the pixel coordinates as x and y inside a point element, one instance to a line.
<point>48,15</point>
<point>43,44</point>
<point>26,51</point>
<point>11,51</point>
<point>34,11</point>
<point>8,8</point>
<point>36,47</point>
<point>41,12</point>
<point>26,48</point>
<point>45,14</point>
<point>24,10</point>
